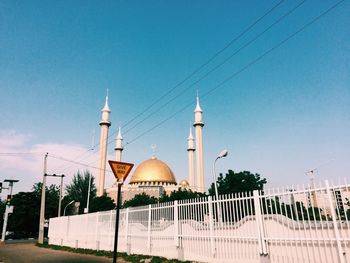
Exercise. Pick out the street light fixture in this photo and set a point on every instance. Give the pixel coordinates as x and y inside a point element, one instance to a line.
<point>64,211</point>
<point>222,154</point>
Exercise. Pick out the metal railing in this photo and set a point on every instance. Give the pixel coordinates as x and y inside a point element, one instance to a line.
<point>280,225</point>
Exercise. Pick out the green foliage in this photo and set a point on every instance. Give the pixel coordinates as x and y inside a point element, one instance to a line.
<point>238,182</point>
<point>24,221</point>
<point>145,199</point>
<point>102,203</point>
<point>180,194</point>
<point>296,211</point>
<point>139,200</point>
<point>78,189</point>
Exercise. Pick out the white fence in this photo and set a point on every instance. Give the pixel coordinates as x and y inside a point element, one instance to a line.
<point>305,225</point>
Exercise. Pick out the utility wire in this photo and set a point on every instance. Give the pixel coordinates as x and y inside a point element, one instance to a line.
<point>63,167</point>
<point>200,67</point>
<point>77,163</point>
<point>20,153</point>
<point>251,63</point>
<point>13,154</point>
<point>204,64</point>
<point>218,66</point>
<point>232,41</point>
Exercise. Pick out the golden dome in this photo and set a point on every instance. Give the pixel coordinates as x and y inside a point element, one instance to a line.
<point>153,170</point>
<point>184,183</point>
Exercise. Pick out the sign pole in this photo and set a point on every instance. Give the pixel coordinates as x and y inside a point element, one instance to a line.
<point>117,224</point>
<point>120,171</point>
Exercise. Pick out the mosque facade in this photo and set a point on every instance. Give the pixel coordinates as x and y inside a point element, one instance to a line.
<point>153,176</point>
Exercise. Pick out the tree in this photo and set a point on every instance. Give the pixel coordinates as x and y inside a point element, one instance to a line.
<point>51,198</point>
<point>140,200</point>
<point>102,203</point>
<point>296,211</point>
<point>24,221</point>
<point>145,199</point>
<point>77,190</point>
<point>238,182</point>
<point>180,194</point>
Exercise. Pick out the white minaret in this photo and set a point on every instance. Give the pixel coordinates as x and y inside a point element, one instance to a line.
<point>104,123</point>
<point>119,146</point>
<point>190,150</point>
<point>198,125</point>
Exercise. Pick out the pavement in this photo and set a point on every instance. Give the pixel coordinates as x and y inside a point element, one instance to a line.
<point>28,252</point>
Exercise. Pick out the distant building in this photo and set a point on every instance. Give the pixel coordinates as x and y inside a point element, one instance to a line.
<point>319,198</point>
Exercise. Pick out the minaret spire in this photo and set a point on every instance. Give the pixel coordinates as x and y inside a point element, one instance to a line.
<point>190,150</point>
<point>104,123</point>
<point>119,146</point>
<point>198,125</point>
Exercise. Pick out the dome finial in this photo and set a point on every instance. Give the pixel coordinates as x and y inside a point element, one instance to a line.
<point>106,107</point>
<point>190,137</point>
<point>198,107</point>
<point>119,136</point>
<point>154,147</point>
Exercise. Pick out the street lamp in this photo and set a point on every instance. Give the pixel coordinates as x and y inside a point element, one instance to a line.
<point>8,209</point>
<point>64,211</point>
<point>222,154</point>
<point>86,209</point>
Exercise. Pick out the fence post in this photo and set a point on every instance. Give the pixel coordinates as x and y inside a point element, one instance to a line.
<point>127,241</point>
<point>211,227</point>
<point>178,243</point>
<point>260,227</point>
<point>110,235</point>
<point>67,230</point>
<point>149,245</point>
<point>86,217</point>
<point>96,233</point>
<point>341,254</point>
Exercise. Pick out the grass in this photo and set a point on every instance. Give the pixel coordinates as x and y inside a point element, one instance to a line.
<point>131,258</point>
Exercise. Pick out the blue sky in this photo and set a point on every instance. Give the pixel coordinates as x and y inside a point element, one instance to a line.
<point>284,115</point>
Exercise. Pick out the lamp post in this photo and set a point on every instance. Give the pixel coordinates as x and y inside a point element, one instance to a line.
<point>86,209</point>
<point>8,210</point>
<point>222,154</point>
<point>42,205</point>
<point>64,211</point>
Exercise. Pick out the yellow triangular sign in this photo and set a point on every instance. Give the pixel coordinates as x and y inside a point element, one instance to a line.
<point>121,170</point>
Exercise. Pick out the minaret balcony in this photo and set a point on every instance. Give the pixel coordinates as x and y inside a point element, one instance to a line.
<point>108,123</point>
<point>197,123</point>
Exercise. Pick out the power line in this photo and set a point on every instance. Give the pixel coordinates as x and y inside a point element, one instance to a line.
<point>205,63</point>
<point>251,63</point>
<point>20,153</point>
<point>13,154</point>
<point>219,65</point>
<point>242,69</point>
<point>77,163</point>
<point>232,41</point>
<point>63,168</point>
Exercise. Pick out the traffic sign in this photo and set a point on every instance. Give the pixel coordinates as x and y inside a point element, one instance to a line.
<point>121,170</point>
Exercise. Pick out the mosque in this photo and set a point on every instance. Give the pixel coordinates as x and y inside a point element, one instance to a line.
<point>153,176</point>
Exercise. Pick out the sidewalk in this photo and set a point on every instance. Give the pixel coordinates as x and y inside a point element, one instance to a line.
<point>30,253</point>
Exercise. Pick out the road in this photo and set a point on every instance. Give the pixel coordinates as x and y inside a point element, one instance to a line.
<point>30,253</point>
